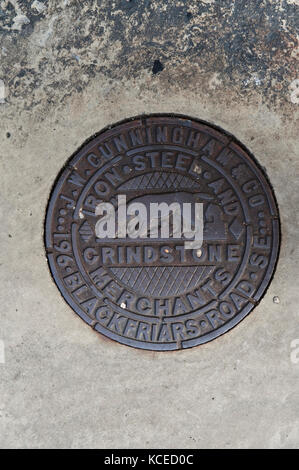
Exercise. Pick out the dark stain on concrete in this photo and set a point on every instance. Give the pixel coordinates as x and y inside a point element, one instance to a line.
<point>249,45</point>
<point>157,67</point>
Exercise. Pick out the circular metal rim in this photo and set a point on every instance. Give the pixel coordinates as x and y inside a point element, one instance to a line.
<point>186,344</point>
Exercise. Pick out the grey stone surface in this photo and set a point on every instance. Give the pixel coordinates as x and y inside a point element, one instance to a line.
<point>68,69</point>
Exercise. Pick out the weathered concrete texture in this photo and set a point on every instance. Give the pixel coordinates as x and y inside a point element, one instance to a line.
<point>68,69</point>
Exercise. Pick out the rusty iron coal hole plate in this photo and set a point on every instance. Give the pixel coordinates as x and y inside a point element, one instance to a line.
<point>152,293</point>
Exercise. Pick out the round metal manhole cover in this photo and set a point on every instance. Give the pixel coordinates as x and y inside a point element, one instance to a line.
<point>147,289</point>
